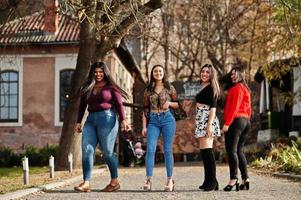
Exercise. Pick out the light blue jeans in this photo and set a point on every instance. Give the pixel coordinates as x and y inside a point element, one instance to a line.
<point>100,127</point>
<point>160,123</point>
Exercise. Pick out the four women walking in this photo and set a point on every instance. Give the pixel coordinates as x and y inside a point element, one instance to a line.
<point>104,100</point>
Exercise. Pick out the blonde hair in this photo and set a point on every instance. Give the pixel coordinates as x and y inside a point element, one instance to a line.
<point>213,80</point>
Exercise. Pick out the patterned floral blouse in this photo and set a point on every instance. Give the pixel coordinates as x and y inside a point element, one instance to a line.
<point>155,101</point>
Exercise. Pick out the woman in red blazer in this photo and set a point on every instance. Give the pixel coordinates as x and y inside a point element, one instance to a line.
<point>237,114</point>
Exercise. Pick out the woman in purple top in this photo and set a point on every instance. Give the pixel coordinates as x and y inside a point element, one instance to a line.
<point>103,98</point>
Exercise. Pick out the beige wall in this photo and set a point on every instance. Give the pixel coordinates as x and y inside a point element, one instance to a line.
<point>38,94</point>
<point>38,107</point>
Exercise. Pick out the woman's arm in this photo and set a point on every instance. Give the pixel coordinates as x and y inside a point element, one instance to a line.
<point>233,101</point>
<point>173,105</point>
<point>81,112</point>
<point>146,109</point>
<point>120,109</point>
<point>174,99</point>
<point>144,124</point>
<point>211,117</point>
<point>117,98</point>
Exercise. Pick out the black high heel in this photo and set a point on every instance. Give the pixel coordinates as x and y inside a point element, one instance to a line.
<point>228,188</point>
<point>245,186</point>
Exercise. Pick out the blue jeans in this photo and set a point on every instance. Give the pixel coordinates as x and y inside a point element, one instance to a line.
<point>100,127</point>
<point>160,123</point>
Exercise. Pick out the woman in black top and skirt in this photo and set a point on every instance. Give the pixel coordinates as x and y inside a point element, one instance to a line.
<point>207,124</point>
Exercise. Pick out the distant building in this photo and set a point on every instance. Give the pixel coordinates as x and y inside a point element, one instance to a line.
<point>187,90</point>
<point>278,117</point>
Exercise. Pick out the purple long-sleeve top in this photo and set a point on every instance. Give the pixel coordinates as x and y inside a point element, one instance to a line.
<point>105,99</point>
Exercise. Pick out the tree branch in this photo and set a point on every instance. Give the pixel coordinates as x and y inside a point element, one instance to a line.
<point>114,37</point>
<point>143,10</point>
<point>114,8</point>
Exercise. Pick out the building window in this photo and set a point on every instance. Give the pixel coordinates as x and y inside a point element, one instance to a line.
<point>9,96</point>
<point>65,88</point>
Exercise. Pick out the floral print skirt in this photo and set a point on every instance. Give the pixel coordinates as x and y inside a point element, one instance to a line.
<point>201,119</point>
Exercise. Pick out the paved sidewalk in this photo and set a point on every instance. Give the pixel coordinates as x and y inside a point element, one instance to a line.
<point>187,179</point>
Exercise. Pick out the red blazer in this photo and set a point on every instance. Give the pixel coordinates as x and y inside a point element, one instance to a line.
<point>238,103</point>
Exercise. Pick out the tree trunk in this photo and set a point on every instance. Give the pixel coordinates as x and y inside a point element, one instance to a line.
<point>70,142</point>
<point>89,51</point>
<point>165,19</point>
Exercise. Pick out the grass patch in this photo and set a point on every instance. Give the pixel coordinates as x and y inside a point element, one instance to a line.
<point>11,179</point>
<point>286,158</point>
<point>18,171</point>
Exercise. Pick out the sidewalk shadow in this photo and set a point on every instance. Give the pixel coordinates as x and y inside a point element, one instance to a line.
<point>119,191</point>
<point>158,191</point>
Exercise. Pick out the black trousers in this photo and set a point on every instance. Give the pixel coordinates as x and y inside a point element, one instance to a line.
<point>235,139</point>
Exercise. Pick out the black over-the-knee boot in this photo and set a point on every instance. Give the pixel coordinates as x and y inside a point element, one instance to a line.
<point>212,183</point>
<point>205,164</point>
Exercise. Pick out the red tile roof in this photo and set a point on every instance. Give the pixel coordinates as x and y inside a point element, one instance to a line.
<point>30,29</point>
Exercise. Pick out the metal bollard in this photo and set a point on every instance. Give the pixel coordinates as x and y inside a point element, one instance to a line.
<point>25,170</point>
<point>70,162</point>
<point>51,166</point>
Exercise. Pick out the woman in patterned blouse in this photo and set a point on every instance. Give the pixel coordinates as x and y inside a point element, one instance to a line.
<point>159,96</point>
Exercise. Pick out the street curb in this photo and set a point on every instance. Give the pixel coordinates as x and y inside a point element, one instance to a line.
<point>287,175</point>
<point>279,174</point>
<point>19,193</point>
<point>25,192</point>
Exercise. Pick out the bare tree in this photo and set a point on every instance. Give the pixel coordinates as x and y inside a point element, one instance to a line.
<point>102,26</point>
<point>221,32</point>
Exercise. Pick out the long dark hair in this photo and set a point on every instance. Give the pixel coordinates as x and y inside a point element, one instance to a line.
<point>213,80</point>
<point>240,76</point>
<point>152,83</point>
<point>90,81</point>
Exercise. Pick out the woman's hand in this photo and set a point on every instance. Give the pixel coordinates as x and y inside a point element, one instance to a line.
<point>166,105</point>
<point>78,128</point>
<point>209,131</point>
<point>224,129</point>
<point>143,132</point>
<point>125,126</point>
